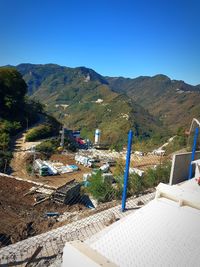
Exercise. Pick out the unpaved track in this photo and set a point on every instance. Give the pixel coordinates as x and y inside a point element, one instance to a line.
<point>20,155</point>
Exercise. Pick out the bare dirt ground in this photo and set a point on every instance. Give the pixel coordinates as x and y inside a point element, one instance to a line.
<point>18,166</point>
<point>22,155</point>
<point>19,218</point>
<point>144,162</point>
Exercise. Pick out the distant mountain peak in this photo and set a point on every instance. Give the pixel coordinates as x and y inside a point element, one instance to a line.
<point>161,76</point>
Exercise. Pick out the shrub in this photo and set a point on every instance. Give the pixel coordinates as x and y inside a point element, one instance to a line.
<point>180,141</point>
<point>4,141</point>
<point>101,190</point>
<point>154,176</point>
<point>11,127</point>
<point>48,147</point>
<point>29,168</point>
<point>104,191</point>
<point>5,158</point>
<point>39,132</point>
<point>135,184</point>
<point>7,130</point>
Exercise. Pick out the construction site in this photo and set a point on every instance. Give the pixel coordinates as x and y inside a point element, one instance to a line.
<point>51,195</point>
<point>43,209</point>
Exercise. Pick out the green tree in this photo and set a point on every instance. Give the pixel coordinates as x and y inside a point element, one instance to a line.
<point>5,157</point>
<point>101,189</point>
<point>160,174</point>
<point>12,92</point>
<point>48,147</point>
<point>4,141</point>
<point>39,132</point>
<point>135,184</point>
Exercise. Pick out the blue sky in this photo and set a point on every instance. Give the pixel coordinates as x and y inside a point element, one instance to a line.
<point>114,37</point>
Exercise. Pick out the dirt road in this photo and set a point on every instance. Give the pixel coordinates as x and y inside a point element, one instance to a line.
<point>20,155</point>
<point>23,155</point>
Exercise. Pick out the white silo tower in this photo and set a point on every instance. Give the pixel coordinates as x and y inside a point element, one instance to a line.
<point>97,136</point>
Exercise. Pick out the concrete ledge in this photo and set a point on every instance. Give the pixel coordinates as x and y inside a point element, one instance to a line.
<point>179,194</point>
<point>78,254</point>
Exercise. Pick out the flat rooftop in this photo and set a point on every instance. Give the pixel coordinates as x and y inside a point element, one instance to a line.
<point>190,186</point>
<point>165,232</point>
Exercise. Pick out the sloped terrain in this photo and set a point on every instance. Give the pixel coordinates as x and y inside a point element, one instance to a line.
<point>174,102</point>
<point>81,98</point>
<point>19,218</point>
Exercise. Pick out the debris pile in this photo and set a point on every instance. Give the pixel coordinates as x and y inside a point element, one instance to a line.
<point>67,194</point>
<point>46,168</point>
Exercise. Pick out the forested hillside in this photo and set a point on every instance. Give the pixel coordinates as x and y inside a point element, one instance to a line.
<point>81,98</point>
<point>16,111</point>
<point>174,102</point>
<point>71,94</point>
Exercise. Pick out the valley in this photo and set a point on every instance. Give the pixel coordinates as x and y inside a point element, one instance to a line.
<point>71,100</point>
<point>81,98</point>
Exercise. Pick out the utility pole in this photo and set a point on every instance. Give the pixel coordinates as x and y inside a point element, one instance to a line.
<point>62,137</point>
<point>33,151</point>
<point>5,166</point>
<point>126,173</point>
<point>27,123</point>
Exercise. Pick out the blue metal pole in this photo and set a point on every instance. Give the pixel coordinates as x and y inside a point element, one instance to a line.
<point>193,151</point>
<point>126,174</point>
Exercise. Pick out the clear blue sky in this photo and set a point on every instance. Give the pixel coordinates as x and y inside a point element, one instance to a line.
<point>114,37</point>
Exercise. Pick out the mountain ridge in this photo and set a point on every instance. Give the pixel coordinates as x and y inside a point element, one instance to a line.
<point>81,98</point>
<point>160,100</point>
<point>174,102</point>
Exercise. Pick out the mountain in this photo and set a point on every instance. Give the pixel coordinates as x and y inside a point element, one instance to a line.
<point>55,76</point>
<point>174,102</point>
<point>81,98</point>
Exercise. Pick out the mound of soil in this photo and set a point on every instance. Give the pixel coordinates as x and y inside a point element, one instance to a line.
<point>19,218</point>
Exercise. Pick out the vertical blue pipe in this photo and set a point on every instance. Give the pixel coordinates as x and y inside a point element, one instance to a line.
<point>193,151</point>
<point>126,174</point>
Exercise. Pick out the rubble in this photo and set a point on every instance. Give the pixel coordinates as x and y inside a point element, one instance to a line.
<point>68,193</point>
<point>19,217</point>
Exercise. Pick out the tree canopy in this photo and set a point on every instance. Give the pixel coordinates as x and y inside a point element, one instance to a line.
<point>12,93</point>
